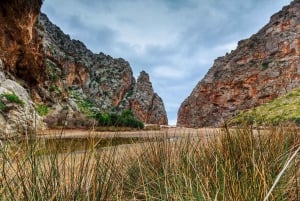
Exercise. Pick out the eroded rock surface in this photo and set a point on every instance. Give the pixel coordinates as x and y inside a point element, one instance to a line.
<point>146,104</point>
<point>17,117</point>
<point>43,66</point>
<point>107,82</point>
<point>21,65</point>
<point>21,47</point>
<point>263,67</point>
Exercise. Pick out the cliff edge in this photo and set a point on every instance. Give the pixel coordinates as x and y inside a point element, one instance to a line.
<point>262,68</point>
<point>47,76</point>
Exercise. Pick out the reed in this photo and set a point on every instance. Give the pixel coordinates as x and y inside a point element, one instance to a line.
<point>234,164</point>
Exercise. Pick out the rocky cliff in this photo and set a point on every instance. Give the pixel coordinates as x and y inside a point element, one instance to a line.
<point>44,67</point>
<point>20,44</point>
<point>106,82</point>
<point>145,103</point>
<point>263,67</point>
<point>21,66</point>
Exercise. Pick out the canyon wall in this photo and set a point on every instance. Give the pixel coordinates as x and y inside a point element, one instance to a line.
<point>263,67</point>
<point>42,67</point>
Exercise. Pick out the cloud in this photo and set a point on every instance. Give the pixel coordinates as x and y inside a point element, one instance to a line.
<point>226,47</point>
<point>176,41</point>
<point>168,73</point>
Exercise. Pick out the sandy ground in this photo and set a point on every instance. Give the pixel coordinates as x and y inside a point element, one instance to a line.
<point>125,150</point>
<point>172,134</point>
<point>164,132</point>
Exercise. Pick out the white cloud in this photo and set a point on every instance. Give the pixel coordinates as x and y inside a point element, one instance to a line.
<point>226,47</point>
<point>166,72</point>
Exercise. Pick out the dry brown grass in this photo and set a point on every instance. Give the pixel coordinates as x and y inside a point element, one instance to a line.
<point>228,165</point>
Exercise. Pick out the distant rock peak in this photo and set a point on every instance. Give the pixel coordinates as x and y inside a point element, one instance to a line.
<point>145,99</point>
<point>106,81</point>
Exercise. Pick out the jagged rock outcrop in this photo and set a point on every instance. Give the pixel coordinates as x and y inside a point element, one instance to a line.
<point>21,61</point>
<point>146,104</point>
<point>105,81</point>
<point>263,67</point>
<point>40,65</point>
<point>17,114</point>
<point>20,44</point>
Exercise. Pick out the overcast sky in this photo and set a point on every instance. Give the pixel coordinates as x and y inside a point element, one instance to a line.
<point>175,41</point>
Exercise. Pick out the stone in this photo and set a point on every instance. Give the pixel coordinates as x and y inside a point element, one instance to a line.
<point>20,44</point>
<point>262,68</point>
<point>107,82</point>
<point>2,75</point>
<point>52,67</point>
<point>18,119</point>
<point>146,104</point>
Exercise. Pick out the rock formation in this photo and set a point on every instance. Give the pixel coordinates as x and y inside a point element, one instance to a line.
<point>17,114</point>
<point>107,82</point>
<point>21,66</point>
<point>20,44</point>
<point>43,66</point>
<point>263,67</point>
<point>145,103</point>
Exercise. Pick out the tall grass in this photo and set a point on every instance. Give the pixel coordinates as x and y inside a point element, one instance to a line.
<point>235,164</point>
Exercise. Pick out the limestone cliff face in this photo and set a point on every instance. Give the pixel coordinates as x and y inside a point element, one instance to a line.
<point>146,104</point>
<point>20,44</point>
<point>21,66</point>
<point>16,117</point>
<point>107,82</point>
<point>262,68</point>
<point>39,64</point>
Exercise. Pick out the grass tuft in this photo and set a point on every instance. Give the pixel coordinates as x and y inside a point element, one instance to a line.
<point>42,109</point>
<point>240,164</point>
<point>285,109</point>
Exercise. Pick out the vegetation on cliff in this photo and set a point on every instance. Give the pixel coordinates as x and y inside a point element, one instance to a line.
<point>104,118</point>
<point>95,82</point>
<point>284,109</point>
<point>39,63</point>
<point>7,98</point>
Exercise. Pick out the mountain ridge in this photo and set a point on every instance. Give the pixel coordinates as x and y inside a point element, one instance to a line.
<point>62,75</point>
<point>106,81</point>
<point>260,69</point>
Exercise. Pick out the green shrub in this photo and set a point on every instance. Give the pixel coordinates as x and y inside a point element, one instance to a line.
<point>134,123</point>
<point>129,93</point>
<point>85,105</point>
<point>127,114</point>
<point>126,119</point>
<point>51,70</point>
<point>297,120</point>
<point>103,119</point>
<point>13,98</point>
<point>54,88</point>
<point>2,106</point>
<point>10,97</point>
<point>42,109</point>
<point>116,120</point>
<point>283,109</point>
<point>265,66</point>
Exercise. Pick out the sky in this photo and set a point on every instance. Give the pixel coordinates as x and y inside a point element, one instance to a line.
<point>175,41</point>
